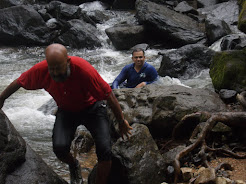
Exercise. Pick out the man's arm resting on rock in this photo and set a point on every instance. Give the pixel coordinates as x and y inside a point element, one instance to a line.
<point>120,78</point>
<point>123,123</point>
<point>12,88</point>
<point>141,84</point>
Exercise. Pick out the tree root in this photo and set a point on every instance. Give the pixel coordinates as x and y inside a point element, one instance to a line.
<point>227,152</point>
<point>210,120</point>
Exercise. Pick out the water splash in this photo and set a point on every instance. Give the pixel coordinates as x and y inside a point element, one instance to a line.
<point>92,6</point>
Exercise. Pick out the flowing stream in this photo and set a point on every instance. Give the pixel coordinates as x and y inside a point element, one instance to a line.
<point>22,107</point>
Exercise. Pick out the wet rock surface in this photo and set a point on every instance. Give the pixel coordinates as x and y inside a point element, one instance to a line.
<point>18,162</point>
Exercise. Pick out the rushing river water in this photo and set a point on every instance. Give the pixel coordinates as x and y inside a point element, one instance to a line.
<point>22,107</point>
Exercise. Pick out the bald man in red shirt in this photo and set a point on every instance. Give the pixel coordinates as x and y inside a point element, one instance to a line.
<point>79,92</point>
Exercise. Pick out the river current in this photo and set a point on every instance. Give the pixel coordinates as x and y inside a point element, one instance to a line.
<point>22,107</point>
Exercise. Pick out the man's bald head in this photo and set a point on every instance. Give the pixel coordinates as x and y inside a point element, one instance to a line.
<point>58,61</point>
<point>55,53</point>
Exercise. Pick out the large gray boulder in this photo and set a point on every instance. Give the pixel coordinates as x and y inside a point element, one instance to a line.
<point>141,157</point>
<point>12,148</point>
<point>123,37</point>
<point>168,26</point>
<point>79,35</point>
<point>9,3</point>
<point>63,11</point>
<point>186,62</point>
<point>44,24</point>
<point>162,107</point>
<point>216,29</point>
<point>23,25</point>
<point>19,164</point>
<point>185,8</point>
<point>136,161</point>
<point>226,11</point>
<point>34,170</point>
<point>205,3</point>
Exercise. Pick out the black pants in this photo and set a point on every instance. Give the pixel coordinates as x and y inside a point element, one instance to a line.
<point>94,118</point>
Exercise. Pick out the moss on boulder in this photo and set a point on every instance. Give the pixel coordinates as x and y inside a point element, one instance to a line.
<point>242,16</point>
<point>228,70</point>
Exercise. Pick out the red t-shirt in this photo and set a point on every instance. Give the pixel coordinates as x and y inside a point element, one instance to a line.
<point>82,88</point>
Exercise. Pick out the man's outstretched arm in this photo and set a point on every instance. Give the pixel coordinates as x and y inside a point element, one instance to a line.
<point>124,126</point>
<point>12,88</point>
<point>120,78</point>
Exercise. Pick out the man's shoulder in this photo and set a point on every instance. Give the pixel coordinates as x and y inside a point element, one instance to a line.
<point>149,66</point>
<point>129,66</point>
<point>40,65</point>
<point>81,66</point>
<point>79,62</point>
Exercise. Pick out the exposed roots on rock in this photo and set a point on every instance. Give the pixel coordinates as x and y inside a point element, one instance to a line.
<point>198,136</point>
<point>227,152</point>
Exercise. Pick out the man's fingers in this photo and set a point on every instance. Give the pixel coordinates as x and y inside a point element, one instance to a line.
<point>129,132</point>
<point>126,131</point>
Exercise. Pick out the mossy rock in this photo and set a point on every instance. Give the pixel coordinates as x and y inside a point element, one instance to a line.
<point>228,70</point>
<point>240,2</point>
<point>242,16</point>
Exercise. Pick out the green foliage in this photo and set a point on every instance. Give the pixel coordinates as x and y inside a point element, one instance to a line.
<point>228,70</point>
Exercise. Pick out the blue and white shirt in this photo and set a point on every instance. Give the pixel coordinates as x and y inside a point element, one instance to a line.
<point>131,78</point>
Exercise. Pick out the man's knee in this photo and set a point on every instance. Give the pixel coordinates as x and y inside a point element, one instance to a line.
<point>104,154</point>
<point>61,151</point>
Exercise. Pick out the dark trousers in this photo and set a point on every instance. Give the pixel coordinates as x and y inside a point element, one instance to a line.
<point>94,118</point>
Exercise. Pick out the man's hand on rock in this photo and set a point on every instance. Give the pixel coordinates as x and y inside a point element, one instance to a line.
<point>141,85</point>
<point>125,129</point>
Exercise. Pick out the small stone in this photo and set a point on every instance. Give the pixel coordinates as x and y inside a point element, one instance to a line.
<point>223,180</point>
<point>187,173</point>
<point>199,171</point>
<point>206,176</point>
<point>240,182</point>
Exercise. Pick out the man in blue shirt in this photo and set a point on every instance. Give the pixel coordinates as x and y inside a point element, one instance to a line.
<point>137,74</point>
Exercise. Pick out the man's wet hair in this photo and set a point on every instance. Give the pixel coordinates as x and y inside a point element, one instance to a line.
<point>138,50</point>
